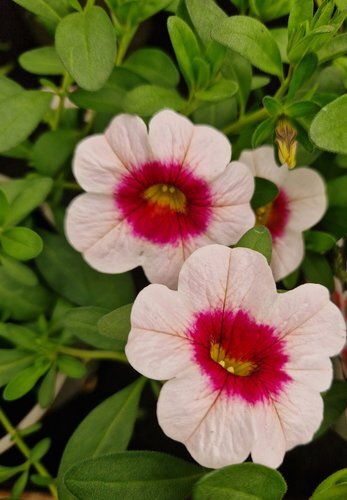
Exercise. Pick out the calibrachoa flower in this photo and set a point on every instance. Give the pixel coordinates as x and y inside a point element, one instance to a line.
<point>300,204</point>
<point>246,365</point>
<point>154,197</point>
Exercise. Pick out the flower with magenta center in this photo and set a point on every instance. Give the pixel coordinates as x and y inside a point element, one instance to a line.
<point>245,365</point>
<point>155,196</point>
<point>299,205</point>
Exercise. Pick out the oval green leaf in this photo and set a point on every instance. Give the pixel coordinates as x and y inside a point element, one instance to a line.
<point>329,128</point>
<point>19,116</point>
<point>108,428</point>
<point>259,239</point>
<point>133,474</point>
<point>42,61</point>
<point>21,243</point>
<point>86,44</point>
<point>241,482</point>
<point>250,38</point>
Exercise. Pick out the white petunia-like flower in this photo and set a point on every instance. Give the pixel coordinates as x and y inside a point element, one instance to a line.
<point>154,197</point>
<point>245,365</point>
<point>300,204</point>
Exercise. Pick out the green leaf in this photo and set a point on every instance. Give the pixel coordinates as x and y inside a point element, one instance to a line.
<point>110,98</point>
<point>205,14</point>
<point>302,108</point>
<point>335,221</point>
<point>333,487</point>
<point>154,66</point>
<point>317,269</point>
<point>20,114</point>
<point>22,302</point>
<point>318,241</point>
<point>8,87</point>
<point>47,387</point>
<point>52,150</point>
<point>50,10</point>
<point>223,89</point>
<point>24,196</point>
<point>18,271</point>
<point>71,367</point>
<point>19,335</point>
<point>21,243</point>
<point>134,12</point>
<point>252,40</point>
<point>186,47</point>
<point>8,472</point>
<point>4,207</point>
<point>259,239</point>
<point>264,130</point>
<point>291,279</point>
<point>302,73</point>
<point>329,128</point>
<point>13,361</point>
<point>337,189</point>
<point>336,47</point>
<point>40,450</point>
<point>272,105</point>
<point>300,11</point>
<point>280,35</point>
<point>86,44</point>
<point>108,428</point>
<point>237,68</point>
<point>116,325</point>
<point>265,192</point>
<point>146,100</point>
<point>25,380</point>
<point>134,474</point>
<point>82,323</point>
<point>67,273</point>
<point>268,9</point>
<point>241,482</point>
<point>335,402</point>
<point>42,61</point>
<point>19,485</point>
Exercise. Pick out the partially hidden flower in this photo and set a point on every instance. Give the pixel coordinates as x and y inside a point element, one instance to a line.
<point>286,142</point>
<point>300,204</point>
<point>245,365</point>
<point>155,196</point>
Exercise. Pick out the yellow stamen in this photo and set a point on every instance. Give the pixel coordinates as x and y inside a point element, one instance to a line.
<point>262,214</point>
<point>239,367</point>
<point>166,195</point>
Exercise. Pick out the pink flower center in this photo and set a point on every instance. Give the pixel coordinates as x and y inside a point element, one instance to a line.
<point>274,215</point>
<point>164,202</point>
<point>240,357</point>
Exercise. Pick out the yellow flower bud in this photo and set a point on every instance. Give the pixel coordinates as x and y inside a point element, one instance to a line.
<point>286,141</point>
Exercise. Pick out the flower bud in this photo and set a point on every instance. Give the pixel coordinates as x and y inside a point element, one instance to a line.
<point>286,141</point>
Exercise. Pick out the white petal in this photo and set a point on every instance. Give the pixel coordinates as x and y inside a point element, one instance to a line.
<point>287,253</point>
<point>308,321</point>
<point>163,264</point>
<point>217,276</point>
<point>216,430</point>
<point>306,193</point>
<point>261,162</point>
<point>127,136</point>
<point>291,420</point>
<point>315,373</point>
<point>300,411</point>
<point>269,444</point>
<point>170,135</point>
<point>208,153</point>
<point>232,213</point>
<point>93,226</point>
<point>96,167</point>
<point>157,346</point>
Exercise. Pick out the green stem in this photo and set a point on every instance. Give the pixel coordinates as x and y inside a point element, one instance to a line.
<point>41,469</point>
<point>62,94</point>
<point>88,355</point>
<point>124,43</point>
<point>260,114</point>
<point>71,186</point>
